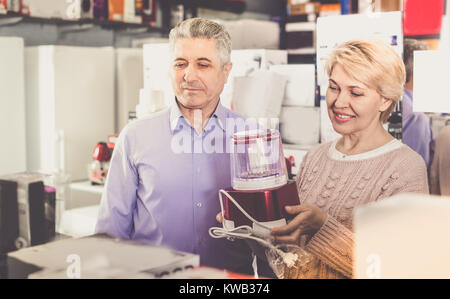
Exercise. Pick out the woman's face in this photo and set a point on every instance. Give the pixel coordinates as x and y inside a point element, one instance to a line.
<point>353,107</point>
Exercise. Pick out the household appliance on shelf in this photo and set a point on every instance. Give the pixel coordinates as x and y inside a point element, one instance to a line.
<point>98,169</point>
<point>65,88</point>
<point>260,191</point>
<point>102,256</point>
<point>27,210</point>
<point>12,106</point>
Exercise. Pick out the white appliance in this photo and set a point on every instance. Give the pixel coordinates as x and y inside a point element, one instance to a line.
<point>129,12</point>
<point>12,105</point>
<point>247,62</point>
<point>129,81</point>
<point>259,97</point>
<point>150,101</point>
<point>405,236</point>
<point>301,85</point>
<point>70,106</point>
<point>156,70</point>
<point>300,125</point>
<point>68,9</point>
<point>264,34</point>
<point>430,81</point>
<point>101,256</point>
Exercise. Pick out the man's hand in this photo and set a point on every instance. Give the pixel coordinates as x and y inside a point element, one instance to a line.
<point>219,218</point>
<point>308,221</point>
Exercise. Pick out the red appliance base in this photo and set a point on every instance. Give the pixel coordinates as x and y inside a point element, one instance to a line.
<point>262,205</point>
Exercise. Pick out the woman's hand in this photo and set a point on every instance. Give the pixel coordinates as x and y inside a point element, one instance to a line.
<point>308,221</point>
<point>219,217</point>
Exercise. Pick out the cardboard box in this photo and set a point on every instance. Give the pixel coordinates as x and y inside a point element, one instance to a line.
<point>305,8</point>
<point>116,10</point>
<point>330,10</point>
<point>388,5</point>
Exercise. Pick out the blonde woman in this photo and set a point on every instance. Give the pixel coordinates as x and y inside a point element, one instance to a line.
<point>366,164</point>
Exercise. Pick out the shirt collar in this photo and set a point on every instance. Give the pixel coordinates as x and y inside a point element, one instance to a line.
<point>175,114</point>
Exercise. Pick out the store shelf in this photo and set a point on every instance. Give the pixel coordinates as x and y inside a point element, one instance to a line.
<point>83,194</point>
<point>105,24</point>
<point>86,186</point>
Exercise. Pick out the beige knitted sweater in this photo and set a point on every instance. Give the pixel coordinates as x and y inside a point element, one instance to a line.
<point>337,187</point>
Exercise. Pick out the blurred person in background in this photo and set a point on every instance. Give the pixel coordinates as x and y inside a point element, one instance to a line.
<point>440,167</point>
<point>416,133</point>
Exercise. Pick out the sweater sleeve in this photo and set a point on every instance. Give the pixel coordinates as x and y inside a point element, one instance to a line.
<point>333,245</point>
<point>411,176</point>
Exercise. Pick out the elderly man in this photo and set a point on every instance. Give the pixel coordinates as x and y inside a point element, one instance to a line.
<point>166,170</point>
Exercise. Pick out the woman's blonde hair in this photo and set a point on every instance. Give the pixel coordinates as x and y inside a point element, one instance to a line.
<point>374,63</point>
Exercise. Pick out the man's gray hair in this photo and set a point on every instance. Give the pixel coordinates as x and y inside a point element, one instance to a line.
<point>203,28</point>
<point>409,46</point>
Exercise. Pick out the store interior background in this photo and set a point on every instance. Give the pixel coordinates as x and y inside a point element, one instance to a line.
<point>66,85</point>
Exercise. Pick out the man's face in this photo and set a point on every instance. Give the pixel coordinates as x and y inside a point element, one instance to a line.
<point>196,72</point>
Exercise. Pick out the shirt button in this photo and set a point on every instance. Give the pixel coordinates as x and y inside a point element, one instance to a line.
<point>199,205</point>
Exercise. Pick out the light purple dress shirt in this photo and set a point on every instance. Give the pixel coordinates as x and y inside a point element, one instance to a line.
<point>416,131</point>
<point>162,190</point>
